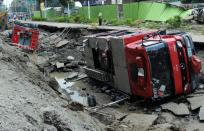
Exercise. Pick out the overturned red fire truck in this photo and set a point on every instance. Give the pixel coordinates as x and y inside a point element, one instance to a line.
<point>144,64</point>
<point>25,36</point>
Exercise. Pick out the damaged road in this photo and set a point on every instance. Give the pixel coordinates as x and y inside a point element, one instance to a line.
<point>31,100</point>
<point>28,103</point>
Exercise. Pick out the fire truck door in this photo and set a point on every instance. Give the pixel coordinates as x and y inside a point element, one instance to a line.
<point>190,52</point>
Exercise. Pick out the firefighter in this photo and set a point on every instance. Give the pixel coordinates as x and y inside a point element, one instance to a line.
<point>100,18</point>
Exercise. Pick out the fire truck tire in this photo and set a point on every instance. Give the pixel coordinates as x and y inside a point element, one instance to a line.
<point>91,101</point>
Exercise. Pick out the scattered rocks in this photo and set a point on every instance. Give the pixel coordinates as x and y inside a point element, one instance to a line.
<point>75,106</point>
<point>134,122</point>
<point>51,117</point>
<point>59,65</point>
<point>105,118</point>
<point>62,43</point>
<point>70,58</point>
<point>54,84</point>
<point>71,76</point>
<point>160,120</point>
<point>47,127</point>
<point>162,127</point>
<point>31,120</point>
<point>178,109</point>
<point>196,102</point>
<point>201,113</point>
<point>201,86</point>
<point>132,108</point>
<point>142,119</point>
<point>91,99</point>
<point>73,64</point>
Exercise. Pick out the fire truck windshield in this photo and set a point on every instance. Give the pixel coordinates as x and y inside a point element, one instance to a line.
<point>160,69</point>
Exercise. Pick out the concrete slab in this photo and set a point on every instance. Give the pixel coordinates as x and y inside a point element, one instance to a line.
<point>201,113</point>
<point>62,43</point>
<point>140,121</point>
<point>198,38</point>
<point>196,102</point>
<point>178,109</point>
<point>59,65</point>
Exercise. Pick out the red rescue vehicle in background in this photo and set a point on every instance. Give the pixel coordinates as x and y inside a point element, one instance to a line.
<point>144,64</point>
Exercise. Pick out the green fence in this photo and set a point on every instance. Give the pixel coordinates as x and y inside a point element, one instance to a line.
<point>109,12</point>
<point>150,11</point>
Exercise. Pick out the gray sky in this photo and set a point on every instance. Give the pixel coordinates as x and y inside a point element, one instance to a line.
<point>7,2</point>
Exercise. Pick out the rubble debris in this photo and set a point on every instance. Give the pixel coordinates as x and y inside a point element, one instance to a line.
<point>91,99</point>
<point>97,108</point>
<point>70,58</point>
<point>59,65</point>
<point>71,76</point>
<point>198,14</point>
<point>75,106</point>
<point>81,76</point>
<point>142,123</point>
<point>53,37</point>
<point>201,86</point>
<point>62,43</point>
<point>201,113</point>
<point>177,109</point>
<point>54,84</point>
<point>47,127</point>
<point>196,102</point>
<point>73,64</point>
<point>51,117</point>
<point>105,118</point>
<point>160,120</point>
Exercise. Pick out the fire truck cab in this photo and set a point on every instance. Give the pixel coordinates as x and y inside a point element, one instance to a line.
<point>144,64</point>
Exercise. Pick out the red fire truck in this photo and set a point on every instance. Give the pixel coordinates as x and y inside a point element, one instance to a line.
<point>144,64</point>
<point>25,37</point>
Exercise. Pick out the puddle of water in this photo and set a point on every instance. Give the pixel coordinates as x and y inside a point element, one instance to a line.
<point>75,94</point>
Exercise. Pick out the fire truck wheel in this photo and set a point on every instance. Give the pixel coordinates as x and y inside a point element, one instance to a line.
<point>91,101</point>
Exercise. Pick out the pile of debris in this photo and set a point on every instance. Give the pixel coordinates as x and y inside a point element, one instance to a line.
<point>61,51</point>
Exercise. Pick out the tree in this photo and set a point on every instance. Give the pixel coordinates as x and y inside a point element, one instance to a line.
<point>39,3</point>
<point>64,3</point>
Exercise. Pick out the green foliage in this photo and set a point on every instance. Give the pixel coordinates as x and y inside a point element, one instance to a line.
<point>153,25</point>
<point>60,19</point>
<point>79,19</point>
<point>38,19</point>
<point>116,22</point>
<point>174,22</point>
<point>130,22</point>
<point>72,19</point>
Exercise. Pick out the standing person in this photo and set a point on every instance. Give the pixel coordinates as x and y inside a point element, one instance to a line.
<point>100,18</point>
<point>14,17</point>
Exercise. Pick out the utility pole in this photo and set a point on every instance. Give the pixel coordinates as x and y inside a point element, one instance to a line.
<point>68,11</point>
<point>45,9</point>
<point>15,5</point>
<point>89,12</point>
<point>35,5</point>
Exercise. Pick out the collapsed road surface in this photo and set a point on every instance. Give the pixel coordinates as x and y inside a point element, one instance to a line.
<point>31,100</point>
<point>28,103</point>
